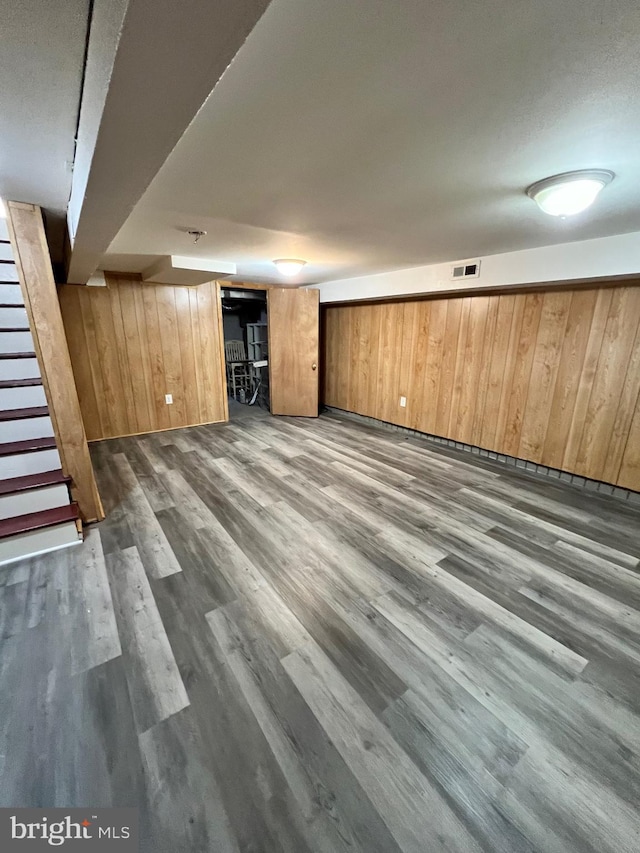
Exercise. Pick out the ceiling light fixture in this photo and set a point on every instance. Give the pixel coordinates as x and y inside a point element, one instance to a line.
<point>289,266</point>
<point>569,193</point>
<point>196,234</point>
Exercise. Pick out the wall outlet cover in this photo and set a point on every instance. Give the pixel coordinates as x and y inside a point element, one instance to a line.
<point>403,402</point>
<point>168,398</point>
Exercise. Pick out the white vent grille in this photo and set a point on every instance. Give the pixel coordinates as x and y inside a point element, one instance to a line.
<point>465,269</point>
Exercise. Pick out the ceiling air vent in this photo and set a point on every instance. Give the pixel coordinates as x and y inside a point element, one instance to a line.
<point>465,269</point>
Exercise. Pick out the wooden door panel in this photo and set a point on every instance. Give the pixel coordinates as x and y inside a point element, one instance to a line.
<point>293,317</point>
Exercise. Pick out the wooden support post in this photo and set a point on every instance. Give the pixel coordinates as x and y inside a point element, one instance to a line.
<point>26,230</point>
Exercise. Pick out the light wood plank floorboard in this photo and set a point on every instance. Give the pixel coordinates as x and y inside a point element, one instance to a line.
<point>314,635</point>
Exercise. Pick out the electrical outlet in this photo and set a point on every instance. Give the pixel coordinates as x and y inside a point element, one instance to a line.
<point>403,402</point>
<point>168,398</point>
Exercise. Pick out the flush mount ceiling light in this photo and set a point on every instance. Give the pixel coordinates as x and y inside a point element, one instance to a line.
<point>569,193</point>
<point>289,266</point>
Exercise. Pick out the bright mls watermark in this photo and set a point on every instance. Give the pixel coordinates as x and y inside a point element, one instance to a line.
<point>82,830</point>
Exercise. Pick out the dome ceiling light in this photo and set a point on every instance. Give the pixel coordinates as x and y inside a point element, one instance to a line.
<point>289,266</point>
<point>569,193</point>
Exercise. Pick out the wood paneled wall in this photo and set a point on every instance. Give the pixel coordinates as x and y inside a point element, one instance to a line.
<point>132,343</point>
<point>551,377</point>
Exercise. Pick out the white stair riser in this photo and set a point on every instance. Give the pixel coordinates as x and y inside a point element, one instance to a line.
<point>16,342</point>
<point>4,229</point>
<point>8,272</point>
<point>38,542</point>
<point>21,430</point>
<point>11,294</point>
<point>22,398</point>
<point>19,368</point>
<point>6,253</point>
<point>34,500</point>
<point>23,464</point>
<point>12,318</point>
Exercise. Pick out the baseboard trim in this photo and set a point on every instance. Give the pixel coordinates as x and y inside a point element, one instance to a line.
<point>523,465</point>
<point>154,431</point>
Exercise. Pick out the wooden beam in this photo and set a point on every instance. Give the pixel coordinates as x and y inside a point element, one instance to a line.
<point>248,285</point>
<point>26,231</point>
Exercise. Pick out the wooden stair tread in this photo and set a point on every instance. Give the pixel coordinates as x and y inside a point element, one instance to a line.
<point>29,445</point>
<point>20,383</point>
<point>23,414</point>
<point>37,520</point>
<point>17,355</point>
<point>33,481</point>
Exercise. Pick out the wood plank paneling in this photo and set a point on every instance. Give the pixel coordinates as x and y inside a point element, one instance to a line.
<point>522,373</point>
<point>132,320</point>
<point>484,377</point>
<point>546,361</point>
<point>629,475</point>
<point>341,338</point>
<point>570,366</point>
<point>390,356</point>
<point>407,354</point>
<point>552,377</point>
<point>415,402</point>
<point>362,354</point>
<point>187,354</point>
<point>156,357</point>
<point>624,415</point>
<point>132,343</point>
<point>448,366</point>
<point>459,371</point>
<point>606,393</point>
<point>212,343</point>
<point>82,369</point>
<point>470,387</point>
<point>115,398</point>
<point>586,377</point>
<point>503,427</point>
<point>437,312</point>
<point>172,363</point>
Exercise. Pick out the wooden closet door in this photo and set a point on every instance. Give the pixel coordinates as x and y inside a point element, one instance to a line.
<point>294,321</point>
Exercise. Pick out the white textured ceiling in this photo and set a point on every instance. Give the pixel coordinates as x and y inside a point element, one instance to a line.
<point>365,135</point>
<point>41,60</point>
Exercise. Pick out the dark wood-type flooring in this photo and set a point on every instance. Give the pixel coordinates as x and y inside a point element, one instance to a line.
<point>298,635</point>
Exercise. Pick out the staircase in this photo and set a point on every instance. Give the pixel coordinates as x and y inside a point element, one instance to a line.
<point>36,511</point>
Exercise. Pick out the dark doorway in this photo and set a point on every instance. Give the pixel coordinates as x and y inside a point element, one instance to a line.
<point>244,317</point>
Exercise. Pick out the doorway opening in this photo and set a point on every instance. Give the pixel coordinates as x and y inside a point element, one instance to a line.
<point>246,347</point>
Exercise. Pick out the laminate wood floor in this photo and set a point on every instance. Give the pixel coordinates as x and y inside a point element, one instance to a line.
<point>310,635</point>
